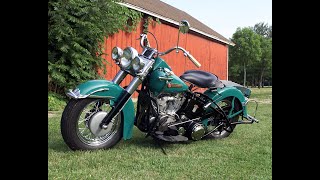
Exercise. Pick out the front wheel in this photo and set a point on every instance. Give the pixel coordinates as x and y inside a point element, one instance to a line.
<point>80,125</point>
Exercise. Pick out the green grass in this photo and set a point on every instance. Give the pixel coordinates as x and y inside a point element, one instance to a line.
<point>55,102</point>
<point>245,154</point>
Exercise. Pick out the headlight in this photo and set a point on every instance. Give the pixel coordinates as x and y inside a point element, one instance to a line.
<point>116,54</point>
<point>125,63</point>
<point>137,64</point>
<point>129,53</point>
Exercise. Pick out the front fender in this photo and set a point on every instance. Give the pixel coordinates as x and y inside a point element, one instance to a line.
<point>109,90</point>
<point>227,92</point>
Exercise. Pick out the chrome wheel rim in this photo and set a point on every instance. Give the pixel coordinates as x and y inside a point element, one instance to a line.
<point>83,130</point>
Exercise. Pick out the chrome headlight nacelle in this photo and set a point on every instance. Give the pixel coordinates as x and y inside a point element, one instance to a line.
<point>128,59</point>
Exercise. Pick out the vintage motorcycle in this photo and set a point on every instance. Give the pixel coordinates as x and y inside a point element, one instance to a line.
<point>100,112</point>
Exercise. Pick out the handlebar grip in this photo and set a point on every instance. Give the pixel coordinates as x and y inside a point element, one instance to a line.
<point>195,62</point>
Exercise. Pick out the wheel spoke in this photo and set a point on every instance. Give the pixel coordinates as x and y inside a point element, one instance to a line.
<point>81,121</point>
<point>84,133</point>
<point>96,106</point>
<point>87,136</point>
<point>87,111</point>
<point>82,130</point>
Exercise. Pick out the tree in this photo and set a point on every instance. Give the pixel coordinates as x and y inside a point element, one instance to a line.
<point>246,50</point>
<point>266,57</point>
<point>76,31</point>
<point>270,32</point>
<point>264,63</point>
<point>263,29</point>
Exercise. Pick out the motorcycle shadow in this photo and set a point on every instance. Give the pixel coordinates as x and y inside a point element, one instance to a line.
<point>140,141</point>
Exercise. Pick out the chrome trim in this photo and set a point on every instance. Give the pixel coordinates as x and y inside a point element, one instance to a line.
<point>133,85</point>
<point>148,66</point>
<point>171,49</point>
<point>175,124</point>
<point>252,118</point>
<point>162,78</point>
<point>107,97</point>
<point>73,94</point>
<point>144,50</point>
<point>246,103</point>
<point>198,131</point>
<point>207,105</point>
<point>119,77</point>
<point>76,94</point>
<point>246,100</point>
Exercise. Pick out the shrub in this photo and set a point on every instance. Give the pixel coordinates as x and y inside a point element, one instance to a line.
<point>56,102</point>
<point>76,30</point>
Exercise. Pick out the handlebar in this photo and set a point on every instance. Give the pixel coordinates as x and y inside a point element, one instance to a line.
<point>195,62</point>
<point>186,53</point>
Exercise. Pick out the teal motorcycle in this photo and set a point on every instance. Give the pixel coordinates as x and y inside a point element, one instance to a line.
<point>100,113</point>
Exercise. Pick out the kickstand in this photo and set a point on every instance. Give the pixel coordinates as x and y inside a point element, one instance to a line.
<point>159,144</point>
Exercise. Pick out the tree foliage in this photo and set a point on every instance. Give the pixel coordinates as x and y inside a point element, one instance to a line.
<point>263,29</point>
<point>265,62</point>
<point>76,32</point>
<point>258,66</point>
<point>246,50</point>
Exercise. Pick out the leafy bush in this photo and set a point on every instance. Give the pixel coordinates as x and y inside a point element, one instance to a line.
<point>56,102</point>
<point>76,31</point>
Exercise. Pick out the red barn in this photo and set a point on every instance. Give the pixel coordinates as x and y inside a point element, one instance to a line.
<point>206,45</point>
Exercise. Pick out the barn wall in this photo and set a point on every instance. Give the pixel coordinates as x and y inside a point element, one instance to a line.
<point>211,55</point>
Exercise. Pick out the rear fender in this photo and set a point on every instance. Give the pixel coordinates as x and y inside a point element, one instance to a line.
<point>225,92</point>
<point>107,90</point>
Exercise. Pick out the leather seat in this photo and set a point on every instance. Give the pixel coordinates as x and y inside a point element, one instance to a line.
<point>201,79</point>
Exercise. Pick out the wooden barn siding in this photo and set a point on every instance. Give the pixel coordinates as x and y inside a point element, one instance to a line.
<point>211,55</point>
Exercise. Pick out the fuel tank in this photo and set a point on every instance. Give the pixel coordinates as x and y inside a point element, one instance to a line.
<point>163,80</point>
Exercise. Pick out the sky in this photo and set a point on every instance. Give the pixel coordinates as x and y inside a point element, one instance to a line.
<point>225,16</point>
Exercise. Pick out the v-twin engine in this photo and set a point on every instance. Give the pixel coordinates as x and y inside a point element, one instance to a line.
<point>168,106</point>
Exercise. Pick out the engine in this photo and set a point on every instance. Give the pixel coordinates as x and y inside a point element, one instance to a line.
<point>168,106</point>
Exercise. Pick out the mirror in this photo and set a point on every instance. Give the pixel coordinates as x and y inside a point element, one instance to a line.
<point>184,26</point>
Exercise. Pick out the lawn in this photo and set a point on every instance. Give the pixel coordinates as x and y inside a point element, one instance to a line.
<point>245,154</point>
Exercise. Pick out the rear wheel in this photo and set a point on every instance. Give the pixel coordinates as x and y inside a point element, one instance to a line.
<point>80,125</point>
<point>224,130</point>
